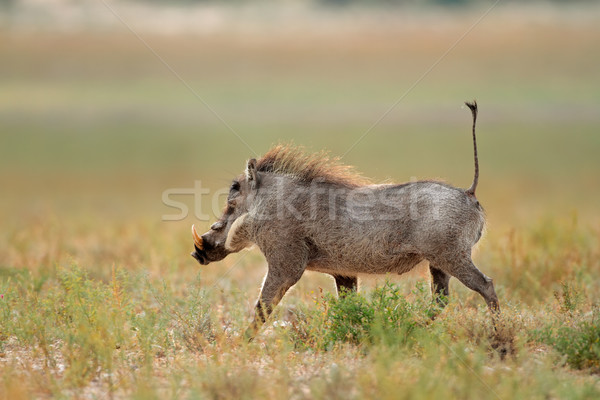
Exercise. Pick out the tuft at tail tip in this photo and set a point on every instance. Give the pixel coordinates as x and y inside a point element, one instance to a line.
<point>472,106</point>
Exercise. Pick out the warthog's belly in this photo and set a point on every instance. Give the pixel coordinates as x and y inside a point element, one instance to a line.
<point>372,265</point>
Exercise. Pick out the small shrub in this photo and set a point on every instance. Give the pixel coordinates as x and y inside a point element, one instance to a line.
<point>580,342</point>
<point>569,298</point>
<point>385,316</point>
<point>307,326</point>
<point>349,318</point>
<point>92,319</point>
<point>190,320</point>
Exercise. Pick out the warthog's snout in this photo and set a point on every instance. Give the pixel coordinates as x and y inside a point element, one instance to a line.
<point>205,250</point>
<point>200,255</point>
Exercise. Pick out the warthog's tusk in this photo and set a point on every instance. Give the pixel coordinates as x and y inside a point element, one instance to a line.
<point>197,238</point>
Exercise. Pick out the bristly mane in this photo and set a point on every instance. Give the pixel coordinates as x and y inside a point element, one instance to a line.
<point>294,161</point>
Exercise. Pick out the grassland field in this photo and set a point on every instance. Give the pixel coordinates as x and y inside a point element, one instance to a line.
<point>100,298</point>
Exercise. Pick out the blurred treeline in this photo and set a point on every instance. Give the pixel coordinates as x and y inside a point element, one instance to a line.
<point>9,3</point>
<point>366,2</point>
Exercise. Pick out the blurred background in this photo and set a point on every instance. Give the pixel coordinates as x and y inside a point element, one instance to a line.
<point>105,104</point>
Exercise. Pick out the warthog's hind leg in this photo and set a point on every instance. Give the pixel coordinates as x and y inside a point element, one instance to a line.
<point>439,285</point>
<point>345,284</point>
<point>466,272</point>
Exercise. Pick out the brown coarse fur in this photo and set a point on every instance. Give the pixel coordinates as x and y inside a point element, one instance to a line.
<point>310,212</point>
<point>294,161</point>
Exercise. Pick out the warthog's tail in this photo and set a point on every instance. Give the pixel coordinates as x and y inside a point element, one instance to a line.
<point>473,107</point>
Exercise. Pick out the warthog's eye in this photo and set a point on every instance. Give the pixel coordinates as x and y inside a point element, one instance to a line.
<point>235,186</point>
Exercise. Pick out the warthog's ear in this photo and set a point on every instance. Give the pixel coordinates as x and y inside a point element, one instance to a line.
<point>251,174</point>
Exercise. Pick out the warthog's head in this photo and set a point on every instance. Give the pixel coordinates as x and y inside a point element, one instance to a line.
<point>229,233</point>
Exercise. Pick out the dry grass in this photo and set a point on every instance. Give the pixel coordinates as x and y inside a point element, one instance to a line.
<point>138,319</point>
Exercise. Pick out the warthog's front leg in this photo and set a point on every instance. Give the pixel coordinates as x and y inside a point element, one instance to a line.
<point>277,282</point>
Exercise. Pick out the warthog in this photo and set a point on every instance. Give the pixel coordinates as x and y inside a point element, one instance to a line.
<point>308,212</point>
